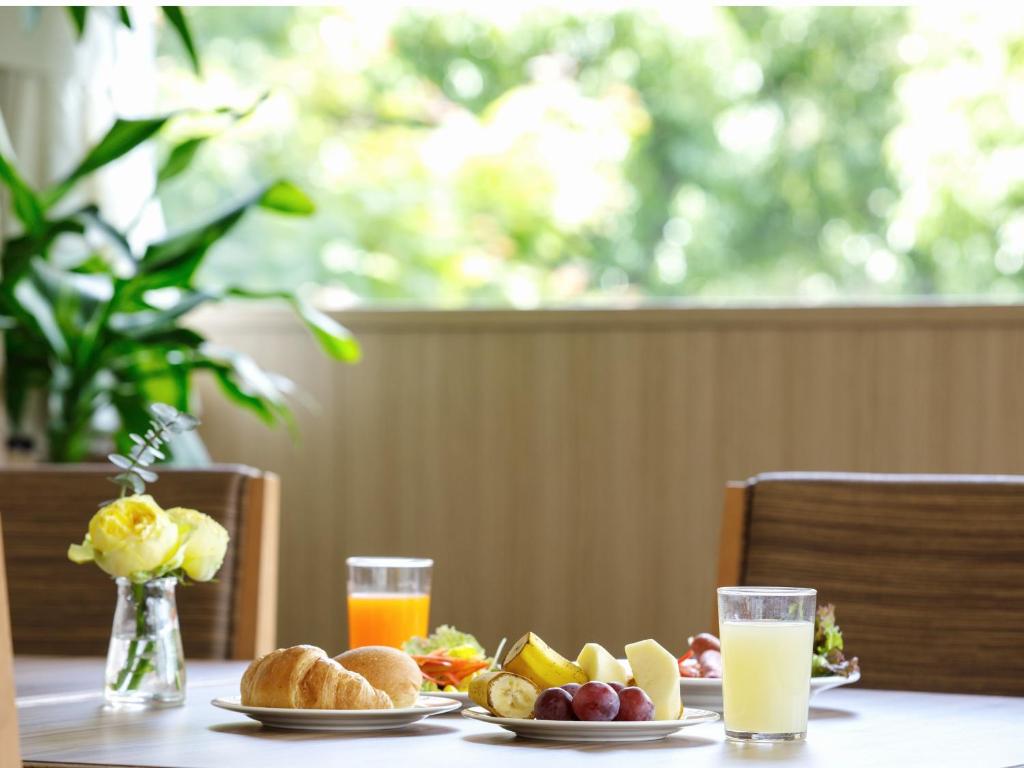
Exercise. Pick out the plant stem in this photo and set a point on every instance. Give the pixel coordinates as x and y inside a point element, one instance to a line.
<point>136,661</point>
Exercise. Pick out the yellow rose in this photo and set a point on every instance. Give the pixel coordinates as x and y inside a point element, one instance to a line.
<point>206,543</point>
<point>130,537</point>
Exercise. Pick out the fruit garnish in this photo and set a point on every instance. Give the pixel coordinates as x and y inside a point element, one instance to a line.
<point>554,704</point>
<point>504,694</point>
<point>657,672</point>
<point>535,660</point>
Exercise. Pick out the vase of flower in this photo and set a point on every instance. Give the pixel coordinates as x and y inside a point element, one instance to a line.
<point>148,550</point>
<point>145,661</point>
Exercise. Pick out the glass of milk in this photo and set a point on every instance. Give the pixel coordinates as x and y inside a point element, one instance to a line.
<point>766,634</point>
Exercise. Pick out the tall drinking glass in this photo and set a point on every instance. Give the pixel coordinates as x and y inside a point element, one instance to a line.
<point>388,599</point>
<point>767,634</point>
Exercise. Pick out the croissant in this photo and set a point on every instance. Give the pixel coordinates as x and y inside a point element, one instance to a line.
<point>303,677</point>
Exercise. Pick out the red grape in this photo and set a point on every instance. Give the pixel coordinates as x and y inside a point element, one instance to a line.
<point>617,687</point>
<point>571,688</point>
<point>553,704</point>
<point>596,701</point>
<point>711,663</point>
<point>705,641</point>
<point>635,704</point>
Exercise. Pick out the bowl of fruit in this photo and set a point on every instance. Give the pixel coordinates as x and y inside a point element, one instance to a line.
<point>540,694</point>
<point>700,667</point>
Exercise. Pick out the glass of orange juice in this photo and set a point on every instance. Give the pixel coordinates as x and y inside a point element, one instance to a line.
<point>388,599</point>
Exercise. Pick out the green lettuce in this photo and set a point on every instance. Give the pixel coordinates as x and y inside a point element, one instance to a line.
<point>461,645</point>
<point>828,658</point>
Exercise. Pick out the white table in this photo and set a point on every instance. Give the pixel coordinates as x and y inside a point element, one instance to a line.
<point>62,722</point>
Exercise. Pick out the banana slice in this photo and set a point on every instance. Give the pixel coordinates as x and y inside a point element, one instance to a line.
<point>535,660</point>
<point>504,694</point>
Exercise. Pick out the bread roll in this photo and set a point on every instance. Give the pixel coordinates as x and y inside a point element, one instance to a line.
<point>303,677</point>
<point>388,669</point>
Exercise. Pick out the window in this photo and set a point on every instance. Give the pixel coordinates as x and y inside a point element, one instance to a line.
<point>535,157</point>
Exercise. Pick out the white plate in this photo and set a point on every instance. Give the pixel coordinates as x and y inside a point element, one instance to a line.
<point>340,719</point>
<point>579,730</point>
<point>706,692</point>
<point>460,696</point>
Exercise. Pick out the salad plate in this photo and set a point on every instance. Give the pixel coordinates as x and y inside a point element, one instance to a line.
<point>460,696</point>
<point>706,692</point>
<point>340,719</point>
<point>580,730</point>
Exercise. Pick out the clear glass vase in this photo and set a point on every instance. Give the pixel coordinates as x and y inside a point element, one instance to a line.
<point>145,661</point>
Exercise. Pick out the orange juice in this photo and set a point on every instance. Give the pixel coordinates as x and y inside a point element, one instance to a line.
<point>382,618</point>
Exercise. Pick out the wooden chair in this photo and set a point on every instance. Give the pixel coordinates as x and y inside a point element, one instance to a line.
<point>58,607</point>
<point>926,571</point>
<point>9,753</point>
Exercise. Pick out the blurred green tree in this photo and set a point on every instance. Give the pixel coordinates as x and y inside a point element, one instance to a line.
<point>537,156</point>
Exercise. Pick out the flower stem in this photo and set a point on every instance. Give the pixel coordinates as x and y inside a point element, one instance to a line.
<point>136,665</point>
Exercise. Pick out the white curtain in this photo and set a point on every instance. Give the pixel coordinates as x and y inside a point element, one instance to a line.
<point>58,95</point>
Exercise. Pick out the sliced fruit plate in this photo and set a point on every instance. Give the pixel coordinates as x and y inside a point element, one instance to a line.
<point>340,719</point>
<point>582,730</point>
<point>707,691</point>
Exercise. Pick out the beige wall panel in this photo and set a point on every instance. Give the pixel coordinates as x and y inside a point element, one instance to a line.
<point>565,469</point>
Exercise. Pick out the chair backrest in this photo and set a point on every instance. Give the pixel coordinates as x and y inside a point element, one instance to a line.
<point>926,571</point>
<point>9,753</point>
<point>61,608</point>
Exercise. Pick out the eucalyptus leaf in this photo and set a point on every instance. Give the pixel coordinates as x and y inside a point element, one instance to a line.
<point>163,412</point>
<point>120,461</point>
<point>130,480</point>
<point>148,475</point>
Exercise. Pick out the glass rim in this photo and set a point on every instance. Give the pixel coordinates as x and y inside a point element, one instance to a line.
<point>389,562</point>
<point>767,592</point>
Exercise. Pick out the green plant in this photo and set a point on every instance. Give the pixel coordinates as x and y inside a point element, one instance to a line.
<point>175,16</point>
<point>98,326</point>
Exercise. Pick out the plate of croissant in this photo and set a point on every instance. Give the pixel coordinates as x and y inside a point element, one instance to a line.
<point>365,689</point>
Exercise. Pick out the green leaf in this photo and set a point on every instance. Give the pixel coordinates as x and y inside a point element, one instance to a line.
<point>176,17</point>
<point>235,393</point>
<point>122,138</point>
<point>284,197</point>
<point>27,206</point>
<point>18,251</point>
<point>173,262</point>
<point>122,14</point>
<point>78,17</point>
<point>41,311</point>
<point>149,324</point>
<point>335,339</point>
<point>90,215</point>
<point>179,158</point>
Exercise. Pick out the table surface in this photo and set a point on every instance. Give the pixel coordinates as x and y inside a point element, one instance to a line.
<point>62,722</point>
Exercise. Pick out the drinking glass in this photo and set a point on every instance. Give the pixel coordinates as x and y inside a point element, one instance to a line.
<point>767,634</point>
<point>388,599</point>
